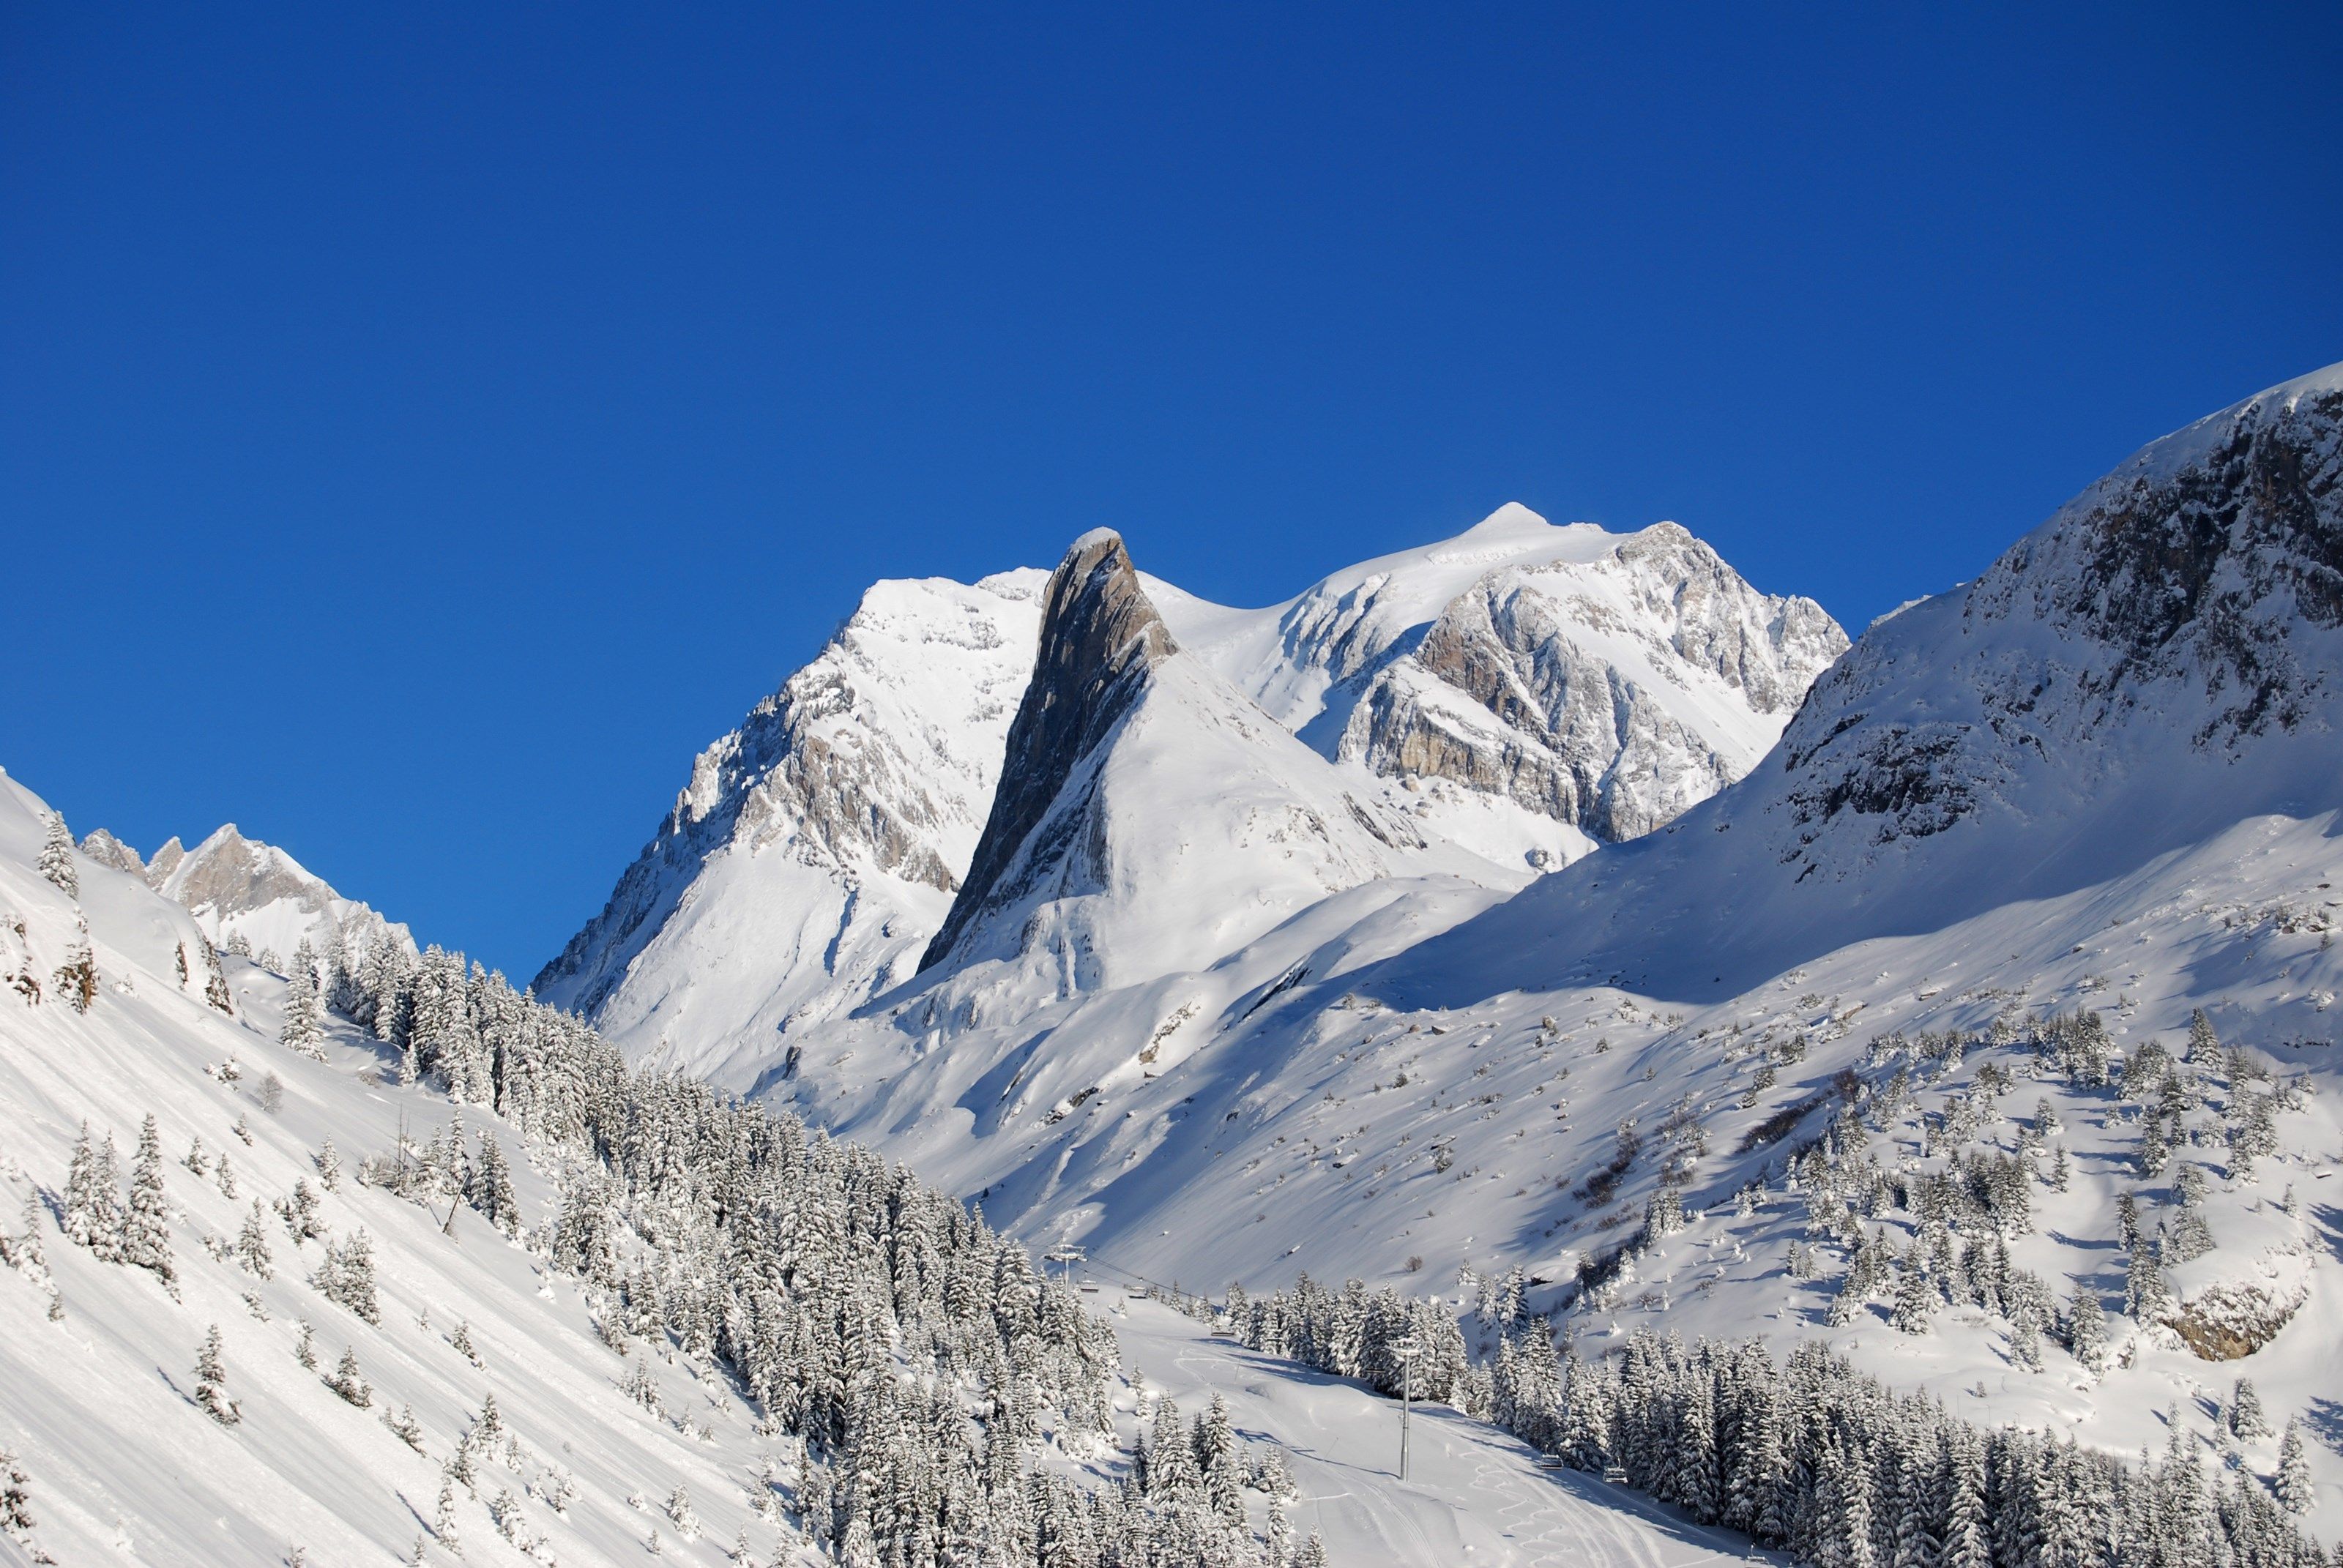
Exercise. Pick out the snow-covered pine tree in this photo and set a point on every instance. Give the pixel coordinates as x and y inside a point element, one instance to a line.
<point>2204,1048</point>
<point>57,856</point>
<point>146,1226</point>
<point>251,1245</point>
<point>492,1189</point>
<point>1915,1294</point>
<point>211,1383</point>
<point>348,1381</point>
<point>403,1426</point>
<point>2292,1485</point>
<point>2086,1330</point>
<point>77,978</point>
<point>93,1200</point>
<point>298,1210</point>
<point>304,1030</point>
<point>15,1497</point>
<point>216,989</point>
<point>443,1514</point>
<point>347,1276</point>
<point>2243,1415</point>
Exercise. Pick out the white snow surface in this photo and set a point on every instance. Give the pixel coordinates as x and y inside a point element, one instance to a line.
<point>817,849</point>
<point>1473,1494</point>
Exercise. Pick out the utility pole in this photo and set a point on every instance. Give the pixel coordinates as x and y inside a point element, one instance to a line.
<point>1407,1349</point>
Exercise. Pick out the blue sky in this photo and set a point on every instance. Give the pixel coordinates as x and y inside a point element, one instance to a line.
<point>421,430</point>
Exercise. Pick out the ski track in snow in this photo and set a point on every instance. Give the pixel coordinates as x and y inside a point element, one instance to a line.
<point>1474,1495</point>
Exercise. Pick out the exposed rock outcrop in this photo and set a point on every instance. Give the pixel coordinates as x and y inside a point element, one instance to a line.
<point>1100,638</point>
<point>1608,693</point>
<point>108,851</point>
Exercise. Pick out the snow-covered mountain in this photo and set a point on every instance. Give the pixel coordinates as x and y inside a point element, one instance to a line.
<point>248,893</point>
<point>2160,660</point>
<point>2103,779</point>
<point>817,848</point>
<point>1482,707</point>
<point>1603,681</point>
<point>1138,781</point>
<point>1983,1033</point>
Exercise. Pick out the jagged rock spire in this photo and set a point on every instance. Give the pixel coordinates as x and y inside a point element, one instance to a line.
<point>1100,637</point>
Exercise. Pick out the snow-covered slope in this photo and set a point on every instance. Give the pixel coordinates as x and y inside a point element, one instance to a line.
<point>249,894</point>
<point>2159,660</point>
<point>2105,777</point>
<point>613,1358</point>
<point>97,1391</point>
<point>1524,690</point>
<point>817,847</point>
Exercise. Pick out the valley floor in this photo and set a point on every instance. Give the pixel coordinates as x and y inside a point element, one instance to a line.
<point>1474,1495</point>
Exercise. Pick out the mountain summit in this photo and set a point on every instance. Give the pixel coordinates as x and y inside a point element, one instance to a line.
<point>1496,704</point>
<point>1100,638</point>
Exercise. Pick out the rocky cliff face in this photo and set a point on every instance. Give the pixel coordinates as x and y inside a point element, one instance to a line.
<point>1099,637</point>
<point>238,886</point>
<point>1608,693</point>
<point>2193,595</point>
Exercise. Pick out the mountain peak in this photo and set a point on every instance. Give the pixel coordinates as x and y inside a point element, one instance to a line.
<point>1100,638</point>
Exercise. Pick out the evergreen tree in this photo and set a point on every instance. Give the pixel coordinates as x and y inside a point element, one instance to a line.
<point>2204,1046</point>
<point>15,1496</point>
<point>1171,1460</point>
<point>2245,1420</point>
<point>77,978</point>
<point>56,857</point>
<point>2086,1330</point>
<point>93,1201</point>
<point>347,1276</point>
<point>211,1383</point>
<point>1915,1295</point>
<point>350,1383</point>
<point>442,1513</point>
<point>403,1426</point>
<point>251,1245</point>
<point>146,1227</point>
<point>492,1189</point>
<point>304,1030</point>
<point>2293,1486</point>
